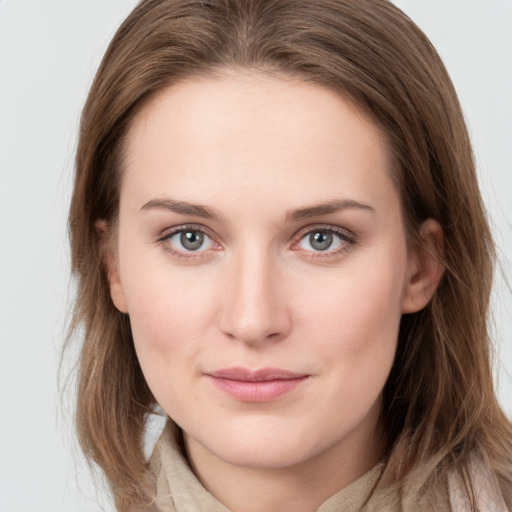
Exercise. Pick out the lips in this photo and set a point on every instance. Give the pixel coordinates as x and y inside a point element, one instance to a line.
<point>261,385</point>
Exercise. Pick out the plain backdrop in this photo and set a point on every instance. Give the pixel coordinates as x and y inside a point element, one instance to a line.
<point>49,51</point>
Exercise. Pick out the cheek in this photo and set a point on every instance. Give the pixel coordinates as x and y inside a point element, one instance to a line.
<point>356,321</point>
<point>170,310</point>
<point>169,328</point>
<point>167,312</point>
<point>359,300</point>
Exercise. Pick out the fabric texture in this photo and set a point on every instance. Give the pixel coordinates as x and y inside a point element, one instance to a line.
<point>179,490</point>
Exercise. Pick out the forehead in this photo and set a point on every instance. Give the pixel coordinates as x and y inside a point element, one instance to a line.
<point>253,133</point>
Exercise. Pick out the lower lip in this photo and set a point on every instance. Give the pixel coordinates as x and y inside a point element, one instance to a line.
<point>257,391</point>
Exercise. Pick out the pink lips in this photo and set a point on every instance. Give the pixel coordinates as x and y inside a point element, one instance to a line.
<point>256,386</point>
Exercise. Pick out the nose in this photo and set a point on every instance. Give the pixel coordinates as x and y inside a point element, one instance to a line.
<point>254,303</point>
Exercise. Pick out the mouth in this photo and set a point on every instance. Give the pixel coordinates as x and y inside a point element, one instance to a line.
<point>261,385</point>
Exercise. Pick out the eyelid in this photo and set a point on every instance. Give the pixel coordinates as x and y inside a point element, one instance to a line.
<point>167,233</point>
<point>345,234</point>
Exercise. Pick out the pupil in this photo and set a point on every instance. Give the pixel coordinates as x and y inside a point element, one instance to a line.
<point>192,240</point>
<point>320,240</point>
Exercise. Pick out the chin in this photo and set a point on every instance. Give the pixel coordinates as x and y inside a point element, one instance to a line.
<point>268,455</point>
<point>263,448</point>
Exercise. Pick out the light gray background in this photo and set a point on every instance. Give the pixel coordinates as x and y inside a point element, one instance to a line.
<point>48,52</point>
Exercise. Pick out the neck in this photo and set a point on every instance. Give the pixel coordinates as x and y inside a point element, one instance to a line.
<point>301,487</point>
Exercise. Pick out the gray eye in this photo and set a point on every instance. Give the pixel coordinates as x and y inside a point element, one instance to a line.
<point>320,240</point>
<point>191,240</point>
<point>323,240</point>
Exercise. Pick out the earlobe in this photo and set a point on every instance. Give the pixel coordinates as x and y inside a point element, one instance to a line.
<point>425,267</point>
<point>111,267</point>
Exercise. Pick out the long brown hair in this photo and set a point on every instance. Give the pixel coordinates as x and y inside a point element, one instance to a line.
<point>440,408</point>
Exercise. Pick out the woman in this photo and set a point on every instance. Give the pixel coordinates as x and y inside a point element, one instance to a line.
<point>279,239</point>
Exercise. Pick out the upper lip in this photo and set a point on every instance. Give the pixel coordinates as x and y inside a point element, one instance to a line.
<point>260,375</point>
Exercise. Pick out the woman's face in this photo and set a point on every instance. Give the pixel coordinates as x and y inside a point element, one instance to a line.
<point>262,260</point>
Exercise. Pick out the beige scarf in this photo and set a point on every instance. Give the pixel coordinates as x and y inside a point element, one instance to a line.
<point>179,490</point>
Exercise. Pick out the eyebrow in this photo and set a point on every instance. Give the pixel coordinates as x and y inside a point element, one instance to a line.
<point>297,215</point>
<point>183,208</point>
<point>327,208</point>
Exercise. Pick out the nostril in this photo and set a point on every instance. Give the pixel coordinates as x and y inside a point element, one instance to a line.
<point>255,336</point>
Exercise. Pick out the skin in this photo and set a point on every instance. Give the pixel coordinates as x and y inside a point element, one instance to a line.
<point>259,152</point>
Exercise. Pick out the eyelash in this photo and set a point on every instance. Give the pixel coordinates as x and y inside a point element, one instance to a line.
<point>347,241</point>
<point>185,255</point>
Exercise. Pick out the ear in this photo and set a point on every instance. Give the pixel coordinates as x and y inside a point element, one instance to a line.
<point>425,268</point>
<point>111,266</point>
